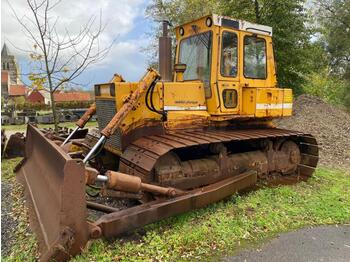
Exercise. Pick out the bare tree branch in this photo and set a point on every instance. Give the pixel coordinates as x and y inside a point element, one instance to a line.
<point>60,57</point>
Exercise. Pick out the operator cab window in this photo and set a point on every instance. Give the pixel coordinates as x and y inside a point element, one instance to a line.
<point>229,97</point>
<point>229,54</point>
<point>195,52</point>
<point>254,57</point>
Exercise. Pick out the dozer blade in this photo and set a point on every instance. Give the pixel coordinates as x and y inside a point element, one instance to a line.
<point>55,189</point>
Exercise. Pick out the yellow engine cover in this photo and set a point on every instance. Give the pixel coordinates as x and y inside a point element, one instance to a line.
<point>267,102</point>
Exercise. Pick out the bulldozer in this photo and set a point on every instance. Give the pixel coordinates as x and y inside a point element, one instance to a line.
<point>179,139</point>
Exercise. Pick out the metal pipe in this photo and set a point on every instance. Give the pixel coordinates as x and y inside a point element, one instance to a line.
<point>100,207</point>
<point>93,150</point>
<point>165,69</point>
<point>158,189</point>
<point>70,135</point>
<point>165,27</point>
<point>102,178</point>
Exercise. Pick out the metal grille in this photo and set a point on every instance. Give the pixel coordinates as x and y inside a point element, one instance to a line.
<point>105,110</point>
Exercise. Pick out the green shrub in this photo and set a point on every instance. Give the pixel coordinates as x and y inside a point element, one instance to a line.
<point>330,88</point>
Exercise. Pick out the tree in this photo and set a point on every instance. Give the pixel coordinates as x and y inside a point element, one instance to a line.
<point>291,37</point>
<point>17,102</point>
<point>177,12</point>
<point>59,56</point>
<point>333,22</point>
<point>287,17</point>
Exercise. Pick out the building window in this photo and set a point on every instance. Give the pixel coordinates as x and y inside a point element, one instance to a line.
<point>254,57</point>
<point>229,54</point>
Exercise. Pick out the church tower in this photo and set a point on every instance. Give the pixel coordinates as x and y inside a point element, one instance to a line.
<point>8,63</point>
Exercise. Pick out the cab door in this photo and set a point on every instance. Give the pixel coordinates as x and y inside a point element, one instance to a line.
<point>256,60</point>
<point>228,87</point>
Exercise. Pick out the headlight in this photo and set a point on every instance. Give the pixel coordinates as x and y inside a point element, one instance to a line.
<point>182,31</point>
<point>209,22</point>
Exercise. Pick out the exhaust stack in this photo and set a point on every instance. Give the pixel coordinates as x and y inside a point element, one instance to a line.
<point>165,69</point>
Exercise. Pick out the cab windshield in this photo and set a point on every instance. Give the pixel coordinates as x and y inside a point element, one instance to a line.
<point>195,52</point>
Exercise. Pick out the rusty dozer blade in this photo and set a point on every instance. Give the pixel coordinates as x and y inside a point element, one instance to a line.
<point>55,187</point>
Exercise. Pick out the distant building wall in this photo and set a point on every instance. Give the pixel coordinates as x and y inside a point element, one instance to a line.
<point>5,84</point>
<point>8,63</point>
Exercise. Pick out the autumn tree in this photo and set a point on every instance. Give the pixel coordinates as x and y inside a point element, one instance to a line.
<point>59,56</point>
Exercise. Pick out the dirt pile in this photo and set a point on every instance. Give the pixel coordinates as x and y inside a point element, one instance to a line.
<point>329,124</point>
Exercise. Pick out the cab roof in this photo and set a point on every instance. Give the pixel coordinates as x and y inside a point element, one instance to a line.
<point>237,24</point>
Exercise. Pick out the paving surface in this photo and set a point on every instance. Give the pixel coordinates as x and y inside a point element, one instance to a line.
<point>324,243</point>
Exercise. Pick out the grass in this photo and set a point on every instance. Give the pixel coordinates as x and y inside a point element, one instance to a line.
<point>65,124</point>
<point>221,228</point>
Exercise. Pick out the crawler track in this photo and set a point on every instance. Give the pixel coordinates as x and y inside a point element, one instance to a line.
<point>141,156</point>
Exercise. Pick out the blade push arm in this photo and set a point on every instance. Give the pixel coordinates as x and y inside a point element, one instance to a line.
<point>87,115</point>
<point>123,182</point>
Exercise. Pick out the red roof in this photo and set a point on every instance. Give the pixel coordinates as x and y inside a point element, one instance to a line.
<point>17,90</point>
<point>72,96</point>
<point>4,76</point>
<point>35,97</point>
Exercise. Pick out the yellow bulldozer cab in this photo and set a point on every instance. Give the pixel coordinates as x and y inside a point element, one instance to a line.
<point>234,59</point>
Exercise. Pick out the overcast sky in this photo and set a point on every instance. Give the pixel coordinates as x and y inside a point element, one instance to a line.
<point>126,23</point>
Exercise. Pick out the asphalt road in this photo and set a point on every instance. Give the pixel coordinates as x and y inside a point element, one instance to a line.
<point>324,243</point>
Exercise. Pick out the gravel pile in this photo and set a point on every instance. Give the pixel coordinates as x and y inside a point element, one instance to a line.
<point>329,124</point>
